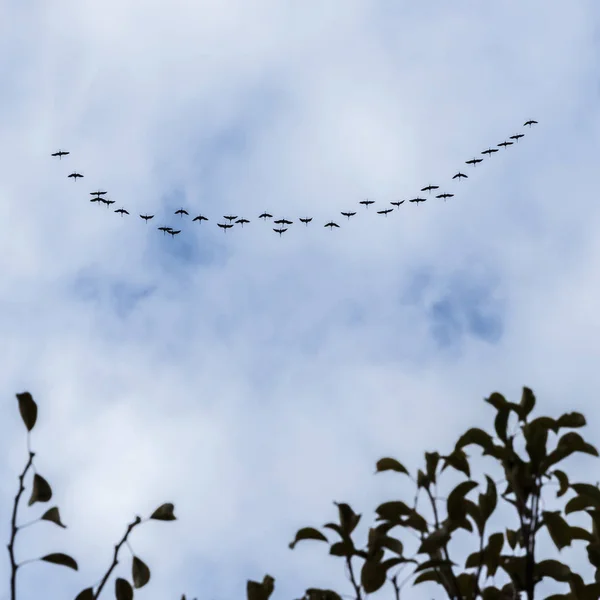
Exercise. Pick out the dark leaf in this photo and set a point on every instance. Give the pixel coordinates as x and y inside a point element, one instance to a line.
<point>123,589</point>
<point>428,576</point>
<point>578,533</point>
<point>489,500</point>
<point>422,480</point>
<point>553,569</point>
<point>335,528</point>
<point>372,576</point>
<point>308,533</point>
<point>164,513</point>
<point>390,563</point>
<point>348,518</point>
<point>393,544</point>
<point>578,503</point>
<point>558,529</point>
<point>536,438</point>
<point>41,492</point>
<point>498,401</point>
<point>571,420</point>
<point>593,551</point>
<point>345,548</point>
<point>140,573</point>
<point>28,409</point>
<point>58,558</point>
<point>316,594</point>
<point>492,553</point>
<point>563,482</point>
<point>393,510</point>
<point>547,423</point>
<point>457,460</point>
<point>474,560</point>
<point>261,591</point>
<point>515,568</point>
<point>501,423</point>
<point>431,461</point>
<point>493,593</point>
<point>475,436</point>
<point>434,542</point>
<point>589,491</point>
<point>474,512</point>
<point>391,464</point>
<point>455,503</point>
<point>416,522</point>
<point>466,585</point>
<point>53,515</point>
<point>527,402</point>
<point>87,594</point>
<point>512,537</point>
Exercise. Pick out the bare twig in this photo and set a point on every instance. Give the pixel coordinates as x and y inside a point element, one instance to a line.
<point>14,528</point>
<point>355,584</point>
<point>115,561</point>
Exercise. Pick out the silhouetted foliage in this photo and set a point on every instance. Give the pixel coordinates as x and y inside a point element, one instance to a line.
<point>42,492</point>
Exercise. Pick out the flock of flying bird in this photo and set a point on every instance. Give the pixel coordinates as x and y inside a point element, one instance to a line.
<point>282,224</point>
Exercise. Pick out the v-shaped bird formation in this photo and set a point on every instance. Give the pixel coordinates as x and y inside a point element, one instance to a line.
<point>283,224</point>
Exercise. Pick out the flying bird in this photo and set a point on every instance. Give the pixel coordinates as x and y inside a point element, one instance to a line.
<point>505,144</point>
<point>174,233</point>
<point>98,193</point>
<point>75,175</point>
<point>225,226</point>
<point>530,122</point>
<point>280,231</point>
<point>230,218</point>
<point>398,203</point>
<point>367,202</point>
<point>122,211</point>
<point>517,136</point>
<point>242,221</point>
<point>490,151</point>
<point>165,229</point>
<point>200,218</point>
<point>306,220</point>
<point>385,212</point>
<point>429,188</point>
<point>147,217</point>
<point>459,175</point>
<point>348,214</point>
<point>265,216</point>
<point>417,200</point>
<point>283,222</point>
<point>98,199</point>
<point>60,154</point>
<point>181,212</point>
<point>444,196</point>
<point>331,225</point>
<point>107,202</point>
<point>473,161</point>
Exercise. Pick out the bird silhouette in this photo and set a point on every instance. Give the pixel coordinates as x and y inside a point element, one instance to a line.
<point>530,122</point>
<point>181,212</point>
<point>60,154</point>
<point>385,212</point>
<point>174,233</point>
<point>417,200</point>
<point>97,199</point>
<point>331,225</point>
<point>242,221</point>
<point>147,217</point>
<point>473,161</point>
<point>505,144</point>
<point>265,216</point>
<point>225,226</point>
<point>490,151</point>
<point>282,222</point>
<point>367,202</point>
<point>75,175</point>
<point>444,196</point>
<point>230,218</point>
<point>280,231</point>
<point>348,214</point>
<point>200,218</point>
<point>459,175</point>
<point>517,136</point>
<point>165,229</point>
<point>107,202</point>
<point>429,188</point>
<point>122,211</point>
<point>306,220</point>
<point>398,202</point>
<point>98,193</point>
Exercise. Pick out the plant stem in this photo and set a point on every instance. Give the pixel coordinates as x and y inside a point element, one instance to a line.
<point>14,529</point>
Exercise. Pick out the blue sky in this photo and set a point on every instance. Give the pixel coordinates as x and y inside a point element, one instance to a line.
<point>253,379</point>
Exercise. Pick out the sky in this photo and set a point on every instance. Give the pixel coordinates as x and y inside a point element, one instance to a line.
<point>253,379</point>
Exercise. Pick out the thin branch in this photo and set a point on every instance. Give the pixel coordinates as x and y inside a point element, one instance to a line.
<point>353,578</point>
<point>115,561</point>
<point>394,581</point>
<point>14,528</point>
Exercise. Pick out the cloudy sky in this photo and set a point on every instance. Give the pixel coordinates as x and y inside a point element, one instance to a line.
<point>253,379</point>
